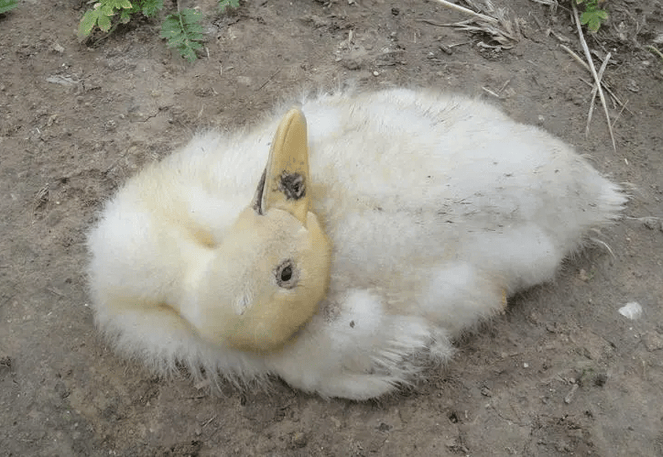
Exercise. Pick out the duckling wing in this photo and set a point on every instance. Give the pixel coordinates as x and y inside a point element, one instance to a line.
<point>409,178</point>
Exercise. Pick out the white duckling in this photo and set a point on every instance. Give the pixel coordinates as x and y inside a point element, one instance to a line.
<point>399,219</point>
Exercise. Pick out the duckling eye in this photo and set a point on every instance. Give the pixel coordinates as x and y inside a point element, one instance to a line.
<point>286,275</point>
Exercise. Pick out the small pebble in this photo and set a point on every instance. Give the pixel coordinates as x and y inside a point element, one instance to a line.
<point>299,439</point>
<point>631,310</point>
<point>652,341</point>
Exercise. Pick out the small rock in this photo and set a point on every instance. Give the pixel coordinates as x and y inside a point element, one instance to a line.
<point>336,422</point>
<point>569,397</point>
<point>351,63</point>
<point>61,390</point>
<point>600,379</point>
<point>317,21</point>
<point>384,427</point>
<point>62,80</point>
<point>299,439</point>
<point>244,80</point>
<point>57,47</point>
<point>651,223</point>
<point>563,446</point>
<point>110,125</point>
<point>631,310</point>
<point>652,342</point>
<point>5,362</point>
<point>632,86</point>
<point>446,49</point>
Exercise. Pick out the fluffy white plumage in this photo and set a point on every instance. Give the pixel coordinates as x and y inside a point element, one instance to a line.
<point>436,207</point>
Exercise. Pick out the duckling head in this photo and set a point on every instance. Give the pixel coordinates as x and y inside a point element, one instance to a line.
<point>271,270</point>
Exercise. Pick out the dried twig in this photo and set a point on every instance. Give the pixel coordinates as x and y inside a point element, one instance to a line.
<point>552,3</point>
<point>595,91</point>
<point>655,50</point>
<point>577,58</point>
<point>620,114</point>
<point>597,80</point>
<point>500,28</point>
<point>462,9</point>
<point>278,70</point>
<point>604,244</point>
<point>490,92</point>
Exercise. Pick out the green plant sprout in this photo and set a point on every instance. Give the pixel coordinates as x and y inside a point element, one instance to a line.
<point>182,29</point>
<point>223,4</point>
<point>7,5</point>
<point>103,11</point>
<point>594,15</point>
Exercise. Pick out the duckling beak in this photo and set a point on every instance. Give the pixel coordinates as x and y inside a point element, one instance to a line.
<point>284,183</point>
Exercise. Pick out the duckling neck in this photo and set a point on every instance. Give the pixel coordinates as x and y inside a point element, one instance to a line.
<point>196,265</point>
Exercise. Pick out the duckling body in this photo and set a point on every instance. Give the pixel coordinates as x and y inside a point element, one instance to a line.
<point>422,212</point>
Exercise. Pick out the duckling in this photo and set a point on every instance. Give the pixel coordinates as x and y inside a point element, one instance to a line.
<point>383,225</point>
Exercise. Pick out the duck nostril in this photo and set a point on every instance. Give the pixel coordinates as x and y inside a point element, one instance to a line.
<point>292,185</point>
<point>286,274</point>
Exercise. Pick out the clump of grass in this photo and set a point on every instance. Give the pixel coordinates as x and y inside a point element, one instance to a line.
<point>182,29</point>
<point>7,5</point>
<point>594,15</point>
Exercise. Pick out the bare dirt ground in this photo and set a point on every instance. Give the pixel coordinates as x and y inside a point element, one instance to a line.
<point>561,373</point>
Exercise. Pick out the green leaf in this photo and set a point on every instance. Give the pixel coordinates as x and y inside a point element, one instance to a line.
<point>593,19</point>
<point>150,7</point>
<point>183,32</point>
<point>104,22</point>
<point>101,16</point>
<point>117,4</point>
<point>106,9</point>
<point>223,4</point>
<point>125,16</point>
<point>7,5</point>
<point>88,21</point>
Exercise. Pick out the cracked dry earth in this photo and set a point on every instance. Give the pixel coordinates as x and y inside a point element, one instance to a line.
<point>562,372</point>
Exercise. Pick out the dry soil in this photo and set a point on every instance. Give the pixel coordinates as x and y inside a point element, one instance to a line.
<point>562,372</point>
